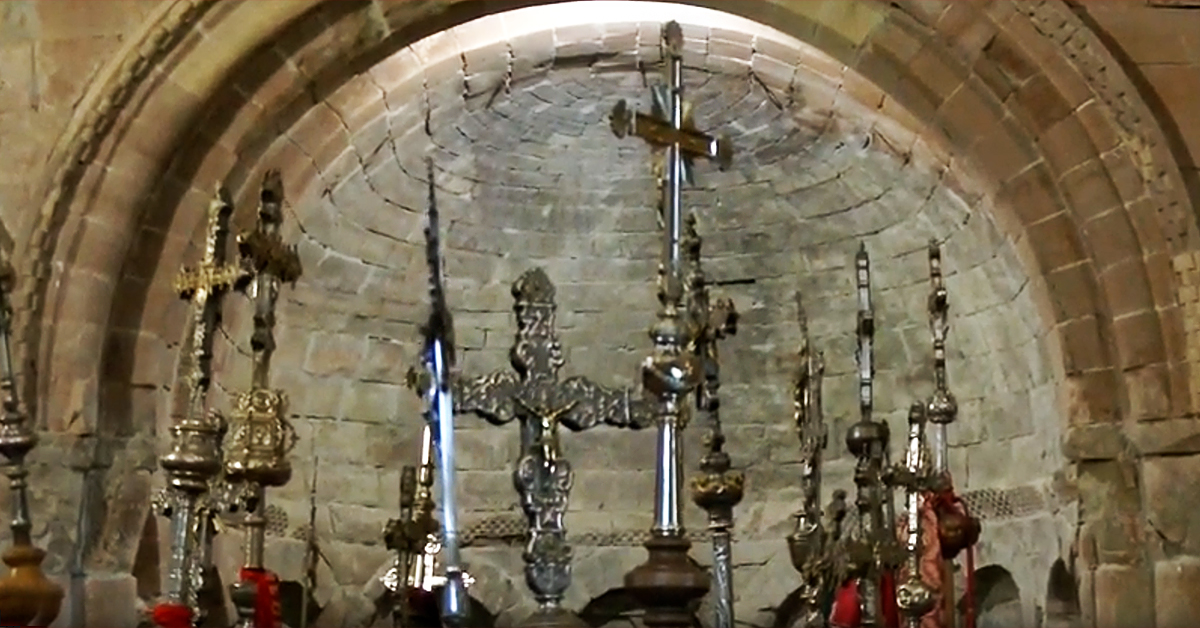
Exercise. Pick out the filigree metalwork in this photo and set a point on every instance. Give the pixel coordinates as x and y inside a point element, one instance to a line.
<point>27,596</point>
<point>542,403</point>
<point>913,597</point>
<point>260,437</point>
<point>873,549</point>
<point>718,488</point>
<point>195,456</point>
<point>813,543</point>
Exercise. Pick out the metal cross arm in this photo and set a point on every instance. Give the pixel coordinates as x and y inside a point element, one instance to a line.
<point>658,132</point>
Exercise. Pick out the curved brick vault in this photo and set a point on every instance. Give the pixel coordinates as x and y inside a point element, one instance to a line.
<point>1046,137</point>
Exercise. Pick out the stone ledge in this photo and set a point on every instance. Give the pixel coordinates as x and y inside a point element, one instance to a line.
<point>1113,440</point>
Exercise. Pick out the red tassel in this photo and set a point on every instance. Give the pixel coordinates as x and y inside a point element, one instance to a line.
<point>889,609</point>
<point>969,611</point>
<point>167,615</point>
<point>846,612</point>
<point>266,603</point>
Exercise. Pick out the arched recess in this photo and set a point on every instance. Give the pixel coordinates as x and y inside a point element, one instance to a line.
<point>1077,168</point>
<point>997,597</point>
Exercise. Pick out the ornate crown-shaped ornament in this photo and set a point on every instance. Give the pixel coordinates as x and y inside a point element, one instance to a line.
<point>257,446</point>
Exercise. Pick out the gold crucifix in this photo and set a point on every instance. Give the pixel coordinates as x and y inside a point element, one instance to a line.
<point>657,127</point>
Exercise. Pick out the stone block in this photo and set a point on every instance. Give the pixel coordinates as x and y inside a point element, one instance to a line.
<point>1172,488</point>
<point>110,600</point>
<point>1176,581</point>
<point>1124,596</point>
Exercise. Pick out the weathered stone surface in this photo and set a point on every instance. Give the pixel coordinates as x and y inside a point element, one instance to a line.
<point>531,157</point>
<point>1124,596</point>
<point>1175,584</point>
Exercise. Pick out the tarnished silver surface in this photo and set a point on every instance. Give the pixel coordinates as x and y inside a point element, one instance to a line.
<point>260,437</point>
<point>542,402</point>
<point>813,542</point>
<point>718,488</point>
<point>195,456</point>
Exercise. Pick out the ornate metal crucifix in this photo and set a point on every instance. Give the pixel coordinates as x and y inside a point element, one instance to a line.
<point>874,550</point>
<point>718,488</point>
<point>813,543</point>
<point>260,437</point>
<point>541,402</point>
<point>669,581</point>
<point>195,456</point>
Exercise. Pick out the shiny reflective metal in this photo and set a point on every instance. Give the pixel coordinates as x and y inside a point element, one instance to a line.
<point>814,542</point>
<point>873,549</point>
<point>718,488</point>
<point>668,583</point>
<point>942,408</point>
<point>439,359</point>
<point>415,536</point>
<point>260,437</point>
<point>543,403</point>
<point>913,597</point>
<point>27,596</point>
<point>195,456</point>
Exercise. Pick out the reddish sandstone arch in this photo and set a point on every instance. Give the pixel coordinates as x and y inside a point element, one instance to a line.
<point>1078,167</point>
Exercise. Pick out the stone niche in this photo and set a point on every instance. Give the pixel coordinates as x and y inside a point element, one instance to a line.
<point>536,178</point>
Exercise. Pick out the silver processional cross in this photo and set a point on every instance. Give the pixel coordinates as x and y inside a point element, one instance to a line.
<point>670,374</point>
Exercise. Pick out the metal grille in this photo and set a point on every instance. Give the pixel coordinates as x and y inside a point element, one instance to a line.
<point>995,503</point>
<point>277,520</point>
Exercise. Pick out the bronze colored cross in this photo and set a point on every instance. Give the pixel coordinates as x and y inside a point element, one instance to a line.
<point>656,129</point>
<point>541,401</point>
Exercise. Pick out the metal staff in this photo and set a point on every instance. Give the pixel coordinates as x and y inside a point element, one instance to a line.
<point>718,488</point>
<point>668,583</point>
<point>811,543</point>
<point>195,456</point>
<point>438,355</point>
<point>414,537</point>
<point>913,596</point>
<point>27,597</point>
<point>261,437</point>
<point>957,530</point>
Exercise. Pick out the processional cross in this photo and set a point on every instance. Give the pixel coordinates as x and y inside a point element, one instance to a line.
<point>669,582</point>
<point>261,437</point>
<point>195,457</point>
<point>541,402</point>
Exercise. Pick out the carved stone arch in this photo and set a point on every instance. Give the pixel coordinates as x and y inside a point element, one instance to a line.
<point>183,109</point>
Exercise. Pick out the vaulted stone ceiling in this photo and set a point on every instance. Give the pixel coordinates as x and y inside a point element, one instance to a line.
<point>530,174</point>
<point>1007,131</point>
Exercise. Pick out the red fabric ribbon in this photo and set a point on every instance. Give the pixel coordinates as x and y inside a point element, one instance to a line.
<point>266,602</point>
<point>949,500</point>
<point>847,611</point>
<point>167,615</point>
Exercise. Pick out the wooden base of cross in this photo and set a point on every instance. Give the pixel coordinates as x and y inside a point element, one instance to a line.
<point>669,583</point>
<point>27,597</point>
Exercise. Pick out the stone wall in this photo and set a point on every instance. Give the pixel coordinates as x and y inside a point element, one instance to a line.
<point>1090,105</point>
<point>522,191</point>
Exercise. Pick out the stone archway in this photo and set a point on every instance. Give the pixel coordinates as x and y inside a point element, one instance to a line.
<point>1079,169</point>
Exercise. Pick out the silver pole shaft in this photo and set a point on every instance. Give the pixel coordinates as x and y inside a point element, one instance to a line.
<point>455,606</point>
<point>722,579</point>
<point>669,470</point>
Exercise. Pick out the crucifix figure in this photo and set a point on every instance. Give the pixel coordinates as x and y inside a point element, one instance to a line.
<point>195,457</point>
<point>669,582</point>
<point>260,437</point>
<point>542,403</point>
